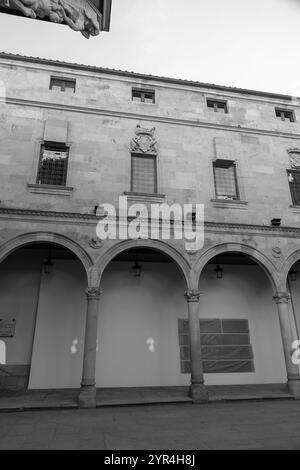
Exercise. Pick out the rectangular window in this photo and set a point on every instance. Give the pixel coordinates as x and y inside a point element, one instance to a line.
<point>285,114</point>
<point>143,174</point>
<point>143,96</point>
<point>217,106</point>
<point>63,84</point>
<point>53,164</point>
<point>225,180</point>
<point>294,180</point>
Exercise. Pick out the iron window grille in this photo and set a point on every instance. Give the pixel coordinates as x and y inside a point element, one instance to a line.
<point>143,174</point>
<point>294,181</point>
<point>62,84</point>
<point>225,179</point>
<point>285,114</point>
<point>143,96</point>
<point>217,106</point>
<point>53,164</point>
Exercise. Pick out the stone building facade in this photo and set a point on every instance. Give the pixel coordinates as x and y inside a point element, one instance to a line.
<point>154,140</point>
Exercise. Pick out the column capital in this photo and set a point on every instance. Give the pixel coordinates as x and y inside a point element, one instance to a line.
<point>192,296</point>
<point>93,293</point>
<point>282,298</point>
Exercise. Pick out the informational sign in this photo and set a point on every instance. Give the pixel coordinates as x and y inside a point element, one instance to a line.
<point>7,328</point>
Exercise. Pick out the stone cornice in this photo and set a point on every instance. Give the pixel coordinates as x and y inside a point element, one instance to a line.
<point>75,217</point>
<point>151,118</point>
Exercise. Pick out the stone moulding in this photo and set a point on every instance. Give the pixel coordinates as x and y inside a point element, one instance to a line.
<point>80,15</point>
<point>143,117</point>
<point>13,213</point>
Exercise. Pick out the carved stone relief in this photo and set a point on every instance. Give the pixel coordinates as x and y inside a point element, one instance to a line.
<point>80,15</point>
<point>144,142</point>
<point>294,155</point>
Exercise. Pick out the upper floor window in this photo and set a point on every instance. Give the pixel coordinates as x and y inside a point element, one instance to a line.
<point>62,84</point>
<point>217,106</point>
<point>294,180</point>
<point>285,114</point>
<point>143,96</point>
<point>53,164</point>
<point>143,174</point>
<point>225,180</point>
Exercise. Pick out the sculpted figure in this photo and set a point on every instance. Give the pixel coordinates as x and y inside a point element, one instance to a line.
<point>80,15</point>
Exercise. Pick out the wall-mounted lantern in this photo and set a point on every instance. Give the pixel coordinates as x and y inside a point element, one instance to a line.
<point>219,271</point>
<point>136,268</point>
<point>293,274</point>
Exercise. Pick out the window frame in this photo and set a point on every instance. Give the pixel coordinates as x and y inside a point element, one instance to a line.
<point>217,105</point>
<point>64,81</point>
<point>227,164</point>
<point>143,92</point>
<point>149,156</point>
<point>283,112</point>
<point>55,145</point>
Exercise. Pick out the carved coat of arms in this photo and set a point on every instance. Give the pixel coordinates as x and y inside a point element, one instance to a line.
<point>144,142</point>
<point>294,155</point>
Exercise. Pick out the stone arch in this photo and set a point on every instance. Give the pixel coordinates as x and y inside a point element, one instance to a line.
<point>38,237</point>
<point>287,265</point>
<point>169,251</point>
<point>267,265</point>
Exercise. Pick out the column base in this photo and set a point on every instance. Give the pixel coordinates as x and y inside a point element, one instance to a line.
<point>294,387</point>
<point>198,393</point>
<point>87,396</point>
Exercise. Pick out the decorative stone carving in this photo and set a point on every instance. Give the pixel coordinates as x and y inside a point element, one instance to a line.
<point>93,293</point>
<point>276,252</point>
<point>96,243</point>
<point>294,155</point>
<point>282,298</point>
<point>144,142</point>
<point>80,15</point>
<point>192,296</point>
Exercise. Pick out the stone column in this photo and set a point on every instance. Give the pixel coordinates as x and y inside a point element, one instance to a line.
<point>282,300</point>
<point>198,391</point>
<point>87,395</point>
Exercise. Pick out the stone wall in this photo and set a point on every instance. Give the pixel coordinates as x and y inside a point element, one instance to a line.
<point>99,122</point>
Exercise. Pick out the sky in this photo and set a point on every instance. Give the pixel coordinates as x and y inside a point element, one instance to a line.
<point>251,44</point>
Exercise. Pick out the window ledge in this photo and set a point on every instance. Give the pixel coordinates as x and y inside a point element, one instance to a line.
<point>144,197</point>
<point>48,189</point>
<point>229,204</point>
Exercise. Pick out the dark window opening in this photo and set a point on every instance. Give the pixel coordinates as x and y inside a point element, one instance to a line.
<point>143,174</point>
<point>143,96</point>
<point>225,180</point>
<point>218,106</point>
<point>294,180</point>
<point>53,164</point>
<point>285,114</point>
<point>62,84</point>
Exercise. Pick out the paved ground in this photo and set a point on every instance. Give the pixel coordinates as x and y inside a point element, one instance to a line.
<point>241,425</point>
<point>68,398</point>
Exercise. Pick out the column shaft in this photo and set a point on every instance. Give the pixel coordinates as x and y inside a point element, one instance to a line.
<point>198,391</point>
<point>293,377</point>
<point>87,396</point>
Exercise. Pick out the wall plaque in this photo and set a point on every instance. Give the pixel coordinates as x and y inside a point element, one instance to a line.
<point>7,328</point>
